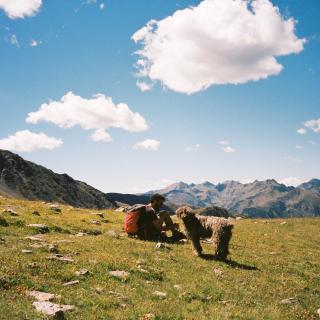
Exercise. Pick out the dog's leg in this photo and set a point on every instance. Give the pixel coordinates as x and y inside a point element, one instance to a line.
<point>195,239</point>
<point>222,243</point>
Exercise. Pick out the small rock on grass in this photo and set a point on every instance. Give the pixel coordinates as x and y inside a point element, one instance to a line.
<point>290,301</point>
<point>40,296</point>
<point>177,286</point>
<point>119,274</point>
<point>160,294</point>
<point>283,223</point>
<point>26,251</point>
<point>96,222</point>
<point>34,265</point>
<point>52,309</point>
<point>55,208</point>
<point>61,258</point>
<point>318,312</point>
<point>42,228</point>
<point>71,283</point>
<point>99,214</point>
<point>160,245</point>
<point>218,271</point>
<point>113,234</point>
<point>34,238</point>
<point>11,212</point>
<point>82,272</point>
<point>36,213</point>
<point>52,248</point>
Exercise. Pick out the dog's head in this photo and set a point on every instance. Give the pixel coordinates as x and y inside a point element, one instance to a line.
<point>184,212</point>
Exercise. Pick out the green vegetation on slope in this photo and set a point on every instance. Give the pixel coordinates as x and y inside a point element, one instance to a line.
<point>270,262</point>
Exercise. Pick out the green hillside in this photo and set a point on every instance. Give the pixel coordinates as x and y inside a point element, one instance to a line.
<point>270,261</point>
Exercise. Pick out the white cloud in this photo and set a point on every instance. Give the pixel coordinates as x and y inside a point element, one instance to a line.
<point>291,181</point>
<point>26,141</point>
<point>101,6</point>
<point>144,86</point>
<point>217,42</point>
<point>14,41</point>
<point>224,142</point>
<point>313,125</point>
<point>20,8</point>
<point>148,144</point>
<point>229,149</point>
<point>98,113</point>
<point>298,146</point>
<point>302,131</point>
<point>34,43</point>
<point>101,135</point>
<point>193,148</point>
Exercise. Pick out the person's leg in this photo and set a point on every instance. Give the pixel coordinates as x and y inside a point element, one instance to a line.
<point>164,219</point>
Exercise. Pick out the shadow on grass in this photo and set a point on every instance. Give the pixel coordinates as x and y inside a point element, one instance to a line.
<point>231,263</point>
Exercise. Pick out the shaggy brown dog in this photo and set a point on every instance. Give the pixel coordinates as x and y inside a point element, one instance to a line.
<point>197,227</point>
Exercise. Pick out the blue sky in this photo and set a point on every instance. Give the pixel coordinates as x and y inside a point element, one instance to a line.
<point>86,48</point>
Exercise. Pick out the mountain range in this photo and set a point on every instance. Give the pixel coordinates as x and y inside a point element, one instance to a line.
<point>260,199</point>
<point>23,179</point>
<point>267,199</point>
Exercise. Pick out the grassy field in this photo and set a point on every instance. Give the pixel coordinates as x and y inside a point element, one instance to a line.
<point>269,262</point>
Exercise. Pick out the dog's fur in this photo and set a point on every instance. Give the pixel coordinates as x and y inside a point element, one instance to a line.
<point>197,227</point>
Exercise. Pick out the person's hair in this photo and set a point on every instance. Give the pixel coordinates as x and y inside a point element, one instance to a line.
<point>157,196</point>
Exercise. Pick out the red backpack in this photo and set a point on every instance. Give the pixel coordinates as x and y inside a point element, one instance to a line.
<point>131,219</point>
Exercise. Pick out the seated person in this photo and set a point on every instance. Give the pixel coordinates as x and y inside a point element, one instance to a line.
<point>153,223</point>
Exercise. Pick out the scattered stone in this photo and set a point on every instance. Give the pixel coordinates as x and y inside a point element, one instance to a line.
<point>119,274</point>
<point>2,240</point>
<point>36,213</point>
<point>96,222</point>
<point>239,218</point>
<point>71,283</point>
<point>183,241</point>
<point>34,265</point>
<point>318,312</point>
<point>98,290</point>
<point>105,221</point>
<point>148,316</point>
<point>177,286</point>
<point>11,212</point>
<point>99,214</point>
<point>218,272</point>
<point>80,234</point>
<point>272,253</point>
<point>160,294</point>
<point>40,296</point>
<point>34,238</point>
<point>52,309</point>
<point>160,245</point>
<point>52,248</point>
<point>94,232</point>
<point>113,234</point>
<point>283,223</point>
<point>55,208</point>
<point>26,251</point>
<point>82,272</point>
<point>290,301</point>
<point>42,228</point>
<point>122,209</point>
<point>60,257</point>
<point>3,222</point>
